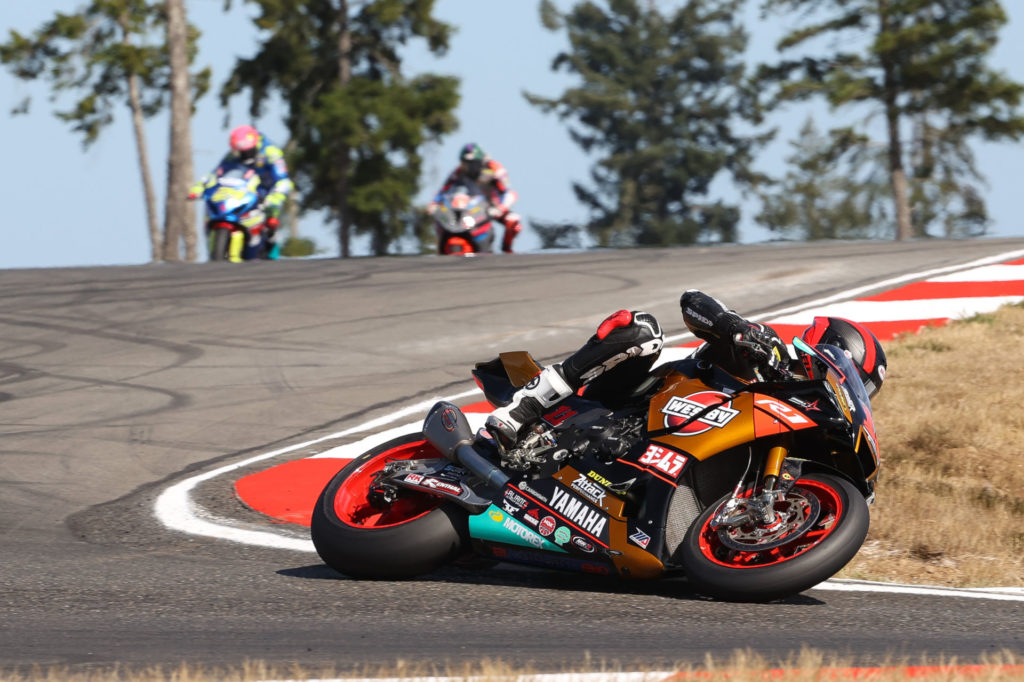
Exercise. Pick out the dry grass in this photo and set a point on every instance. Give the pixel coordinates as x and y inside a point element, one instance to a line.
<point>743,666</point>
<point>950,420</point>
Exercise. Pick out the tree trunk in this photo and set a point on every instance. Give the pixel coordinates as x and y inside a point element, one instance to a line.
<point>179,218</point>
<point>897,173</point>
<point>344,163</point>
<point>138,124</point>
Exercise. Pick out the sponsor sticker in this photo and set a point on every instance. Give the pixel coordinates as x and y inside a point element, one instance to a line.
<point>582,543</point>
<point>663,459</point>
<point>680,409</point>
<point>562,535</point>
<point>444,486</point>
<point>641,538</point>
<point>589,489</point>
<point>413,478</point>
<point>547,526</point>
<point>578,512</point>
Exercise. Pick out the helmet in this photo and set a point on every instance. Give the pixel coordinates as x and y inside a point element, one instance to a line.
<point>245,141</point>
<point>472,158</point>
<point>861,346</point>
<point>472,152</point>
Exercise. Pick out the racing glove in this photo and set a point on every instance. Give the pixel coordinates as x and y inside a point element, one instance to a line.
<point>762,345</point>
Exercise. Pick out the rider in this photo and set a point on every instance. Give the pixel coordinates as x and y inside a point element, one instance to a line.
<point>477,167</point>
<point>628,343</point>
<point>251,148</point>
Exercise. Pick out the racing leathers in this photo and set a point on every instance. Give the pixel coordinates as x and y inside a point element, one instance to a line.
<point>626,345</point>
<point>493,180</point>
<point>275,184</point>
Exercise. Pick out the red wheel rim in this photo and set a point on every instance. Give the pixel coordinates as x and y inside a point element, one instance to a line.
<point>831,512</point>
<point>353,508</point>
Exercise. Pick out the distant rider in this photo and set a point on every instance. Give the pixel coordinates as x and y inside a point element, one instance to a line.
<point>478,168</point>
<point>620,355</point>
<point>252,149</point>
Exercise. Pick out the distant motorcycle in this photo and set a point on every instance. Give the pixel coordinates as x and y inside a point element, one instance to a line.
<point>752,491</point>
<point>235,221</point>
<point>463,222</point>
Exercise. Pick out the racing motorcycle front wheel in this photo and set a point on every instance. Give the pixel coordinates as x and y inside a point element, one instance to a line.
<point>362,536</point>
<point>819,525</point>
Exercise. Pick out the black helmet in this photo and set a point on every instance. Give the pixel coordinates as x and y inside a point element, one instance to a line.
<point>861,346</point>
<point>472,158</point>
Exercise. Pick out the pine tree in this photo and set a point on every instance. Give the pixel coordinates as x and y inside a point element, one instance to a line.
<point>107,53</point>
<point>660,101</point>
<point>835,187</point>
<point>910,60</point>
<point>356,122</point>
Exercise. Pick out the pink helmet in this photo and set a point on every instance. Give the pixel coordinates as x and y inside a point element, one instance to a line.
<point>244,140</point>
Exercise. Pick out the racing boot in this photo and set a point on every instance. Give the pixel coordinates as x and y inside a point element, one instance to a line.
<point>527,406</point>
<point>513,226</point>
<point>236,246</point>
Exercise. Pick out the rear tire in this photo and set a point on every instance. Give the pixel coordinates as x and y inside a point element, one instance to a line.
<point>415,535</point>
<point>786,567</point>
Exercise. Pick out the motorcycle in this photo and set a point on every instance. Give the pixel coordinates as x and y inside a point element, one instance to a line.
<point>751,491</point>
<point>235,221</point>
<point>463,222</point>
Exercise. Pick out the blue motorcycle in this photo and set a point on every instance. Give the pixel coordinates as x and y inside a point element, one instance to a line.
<point>235,223</point>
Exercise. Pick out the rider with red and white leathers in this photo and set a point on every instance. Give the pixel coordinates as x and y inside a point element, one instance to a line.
<point>480,169</point>
<point>251,148</point>
<point>620,355</point>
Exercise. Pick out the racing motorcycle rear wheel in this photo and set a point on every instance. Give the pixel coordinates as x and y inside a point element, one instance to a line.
<point>820,525</point>
<point>363,537</point>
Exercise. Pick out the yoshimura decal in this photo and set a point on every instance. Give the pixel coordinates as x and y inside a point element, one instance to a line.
<point>663,459</point>
<point>680,409</point>
<point>577,511</point>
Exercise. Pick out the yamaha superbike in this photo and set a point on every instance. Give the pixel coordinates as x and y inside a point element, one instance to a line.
<point>235,221</point>
<point>463,221</point>
<point>752,491</point>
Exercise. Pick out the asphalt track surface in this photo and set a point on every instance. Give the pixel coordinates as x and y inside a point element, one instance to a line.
<point>116,383</point>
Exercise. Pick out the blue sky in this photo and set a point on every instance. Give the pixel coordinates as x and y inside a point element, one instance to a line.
<point>66,206</point>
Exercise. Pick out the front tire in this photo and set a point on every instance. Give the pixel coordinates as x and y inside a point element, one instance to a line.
<point>414,535</point>
<point>219,244</point>
<point>829,522</point>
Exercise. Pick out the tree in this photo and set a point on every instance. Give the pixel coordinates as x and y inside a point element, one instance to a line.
<point>912,60</point>
<point>106,54</point>
<point>179,221</point>
<point>835,187</point>
<point>356,122</point>
<point>660,101</point>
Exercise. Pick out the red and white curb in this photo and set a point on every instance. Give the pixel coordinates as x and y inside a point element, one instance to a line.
<point>287,491</point>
